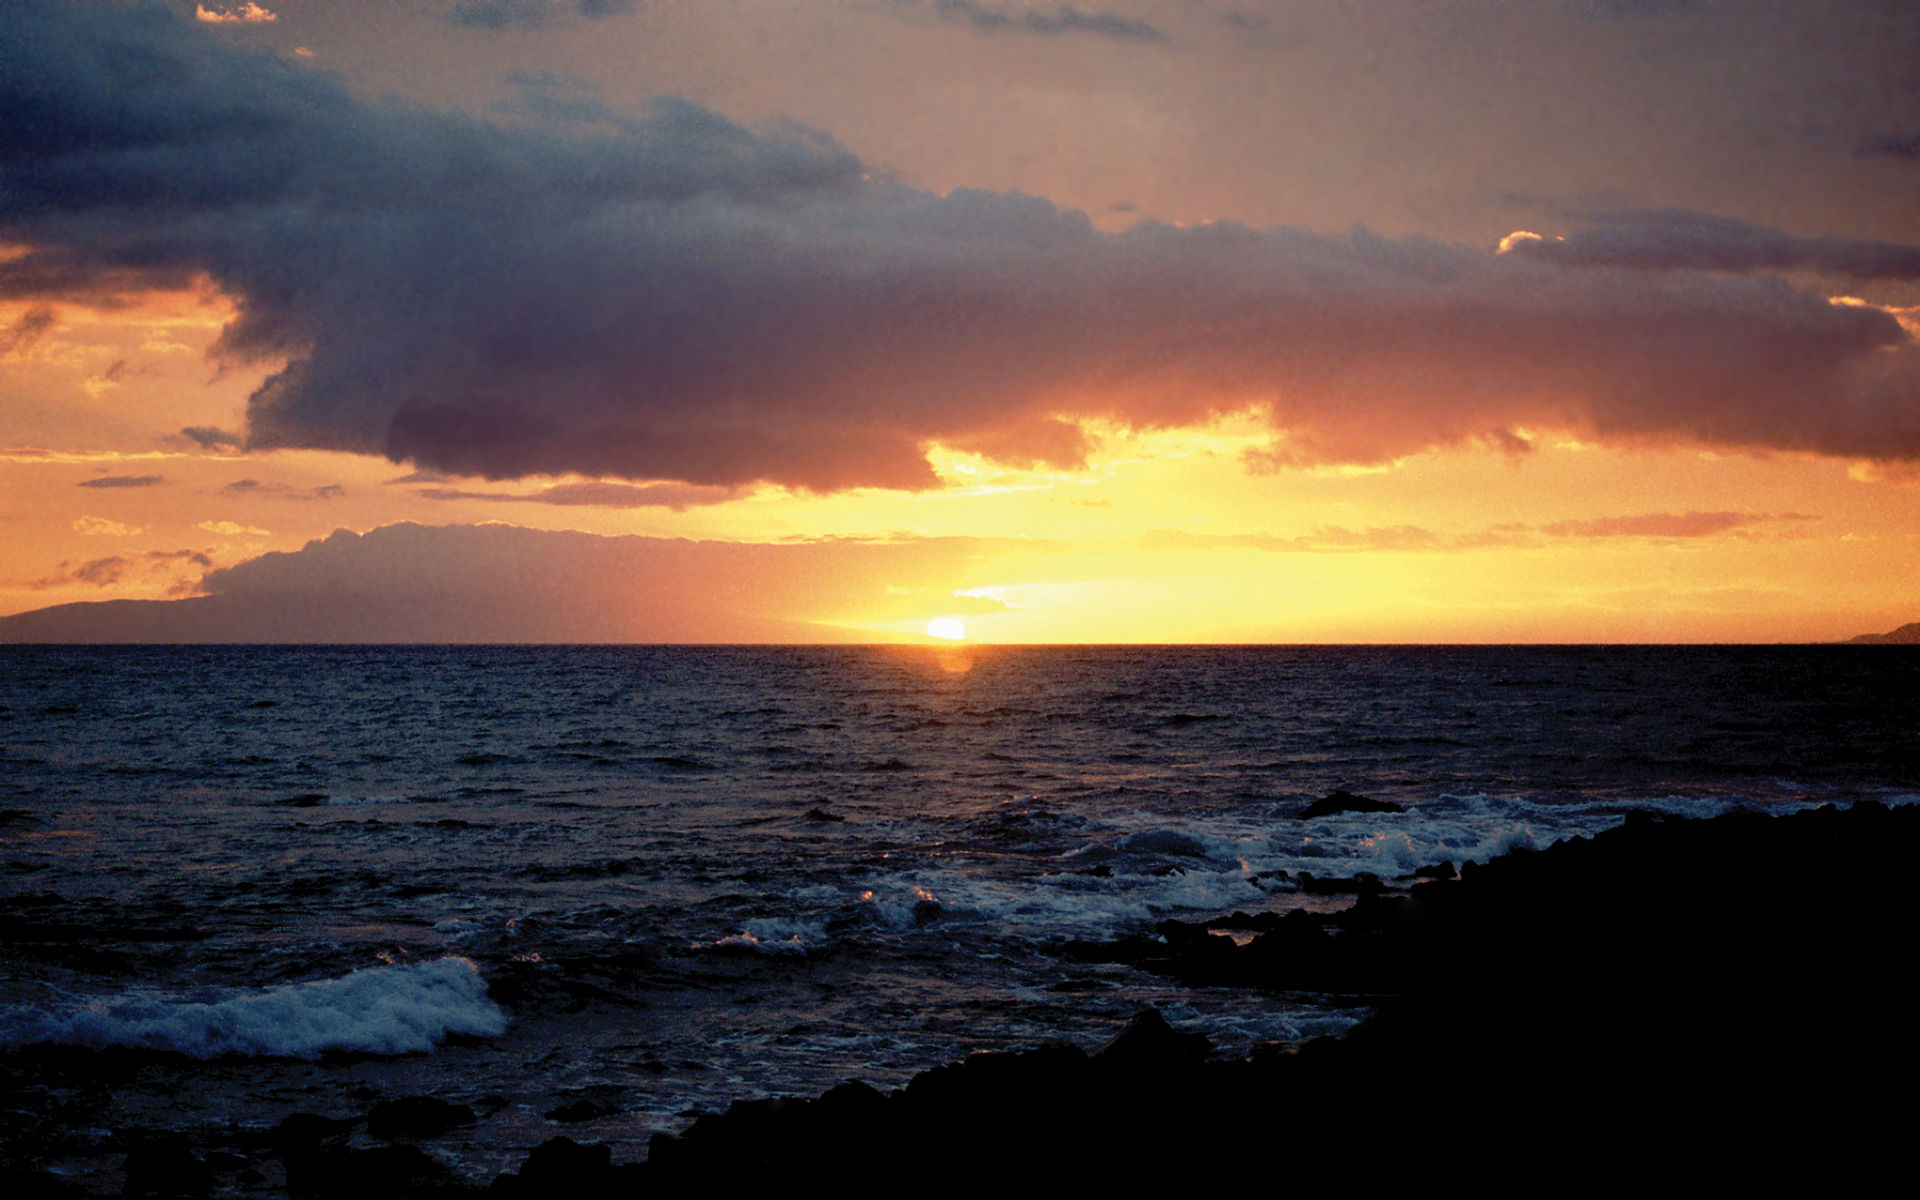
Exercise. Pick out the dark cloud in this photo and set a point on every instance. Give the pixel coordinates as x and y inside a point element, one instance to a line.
<point>1050,19</point>
<point>532,14</point>
<point>665,295</point>
<point>283,491</point>
<point>23,333</point>
<point>1509,443</point>
<point>600,494</point>
<point>198,558</point>
<point>1677,239</point>
<point>105,572</point>
<point>122,481</point>
<point>1893,145</point>
<point>1632,9</point>
<point>57,273</point>
<point>208,437</point>
<point>100,572</point>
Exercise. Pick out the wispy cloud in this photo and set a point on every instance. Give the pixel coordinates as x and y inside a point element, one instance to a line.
<point>1044,19</point>
<point>209,438</point>
<point>1670,525</point>
<point>1338,539</point>
<point>676,496</point>
<point>1326,539</point>
<point>282,491</point>
<point>122,481</point>
<point>42,454</point>
<point>532,15</point>
<point>1892,145</point>
<point>231,529</point>
<point>102,527</point>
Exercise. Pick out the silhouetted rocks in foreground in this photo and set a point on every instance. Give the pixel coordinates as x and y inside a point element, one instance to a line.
<point>1718,999</point>
<point>1028,1117</point>
<point>416,1117</point>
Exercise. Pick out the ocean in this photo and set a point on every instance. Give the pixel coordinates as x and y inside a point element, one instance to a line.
<point>240,883</point>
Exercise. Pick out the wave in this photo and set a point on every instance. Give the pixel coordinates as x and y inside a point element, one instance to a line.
<point>380,1010</point>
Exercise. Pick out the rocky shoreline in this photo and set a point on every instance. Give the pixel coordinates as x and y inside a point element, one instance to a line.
<point>1674,999</point>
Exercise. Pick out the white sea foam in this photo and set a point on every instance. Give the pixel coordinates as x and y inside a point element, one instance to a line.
<point>380,1010</point>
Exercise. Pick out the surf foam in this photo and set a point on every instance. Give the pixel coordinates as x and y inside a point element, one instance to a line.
<point>380,1010</point>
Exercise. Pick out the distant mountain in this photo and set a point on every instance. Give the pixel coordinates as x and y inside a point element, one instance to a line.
<point>110,621</point>
<point>419,584</point>
<point>1906,635</point>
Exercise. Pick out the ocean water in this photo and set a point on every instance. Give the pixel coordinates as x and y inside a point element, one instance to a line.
<point>237,883</point>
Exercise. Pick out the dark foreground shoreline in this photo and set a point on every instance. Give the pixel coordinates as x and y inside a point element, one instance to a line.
<point>1671,1001</point>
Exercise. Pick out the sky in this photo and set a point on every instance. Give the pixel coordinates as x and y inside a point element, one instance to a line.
<point>826,320</point>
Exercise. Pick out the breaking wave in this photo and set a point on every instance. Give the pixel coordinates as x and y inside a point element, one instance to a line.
<point>380,1010</point>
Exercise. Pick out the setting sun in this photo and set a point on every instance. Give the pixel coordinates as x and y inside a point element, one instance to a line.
<point>951,628</point>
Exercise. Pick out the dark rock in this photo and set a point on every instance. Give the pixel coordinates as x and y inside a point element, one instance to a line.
<point>416,1117</point>
<point>309,1129</point>
<point>817,813</point>
<point>1165,841</point>
<point>168,1168</point>
<point>395,1170</point>
<point>1715,1001</point>
<point>580,1110</point>
<point>1314,885</point>
<point>1344,801</point>
<point>1148,1043</point>
<point>561,1166</point>
<point>853,1100</point>
<point>19,1184</point>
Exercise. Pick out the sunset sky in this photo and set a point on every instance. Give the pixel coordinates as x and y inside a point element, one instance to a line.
<point>819,320</point>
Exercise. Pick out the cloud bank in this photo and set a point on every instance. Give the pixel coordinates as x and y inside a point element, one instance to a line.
<point>1679,240</point>
<point>665,295</point>
<point>122,481</point>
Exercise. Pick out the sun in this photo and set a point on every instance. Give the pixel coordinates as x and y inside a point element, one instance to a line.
<point>950,628</point>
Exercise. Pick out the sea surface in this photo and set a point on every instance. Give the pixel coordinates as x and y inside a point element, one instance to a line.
<point>238,883</point>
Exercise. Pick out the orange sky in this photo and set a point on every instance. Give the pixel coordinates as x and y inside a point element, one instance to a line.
<point>1054,427</point>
